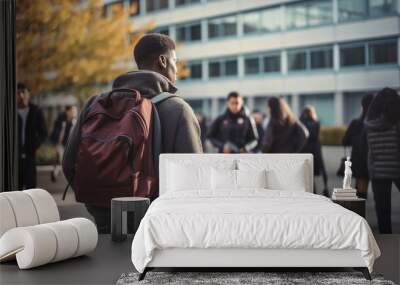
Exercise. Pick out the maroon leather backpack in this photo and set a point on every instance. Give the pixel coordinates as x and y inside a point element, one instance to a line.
<point>115,154</point>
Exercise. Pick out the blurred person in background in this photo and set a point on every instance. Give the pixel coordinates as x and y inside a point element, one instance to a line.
<point>32,132</point>
<point>234,131</point>
<point>284,132</point>
<point>383,137</point>
<point>309,119</point>
<point>259,117</point>
<point>59,136</point>
<point>356,137</point>
<point>203,129</point>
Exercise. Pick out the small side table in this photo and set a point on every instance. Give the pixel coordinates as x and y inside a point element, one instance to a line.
<point>357,205</point>
<point>119,208</point>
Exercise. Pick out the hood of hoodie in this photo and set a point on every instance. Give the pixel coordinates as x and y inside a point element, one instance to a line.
<point>379,124</point>
<point>244,112</point>
<point>147,82</point>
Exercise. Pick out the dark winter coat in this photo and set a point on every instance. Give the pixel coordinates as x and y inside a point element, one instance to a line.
<point>383,149</point>
<point>239,130</point>
<point>284,137</point>
<point>356,137</point>
<point>313,145</point>
<point>57,129</point>
<point>35,131</point>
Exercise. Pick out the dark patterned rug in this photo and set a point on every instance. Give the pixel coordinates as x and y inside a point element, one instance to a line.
<point>242,278</point>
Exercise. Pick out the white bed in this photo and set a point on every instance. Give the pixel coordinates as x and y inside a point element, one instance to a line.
<point>248,227</point>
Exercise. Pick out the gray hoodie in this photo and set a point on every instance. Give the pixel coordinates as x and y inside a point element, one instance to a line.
<point>180,129</point>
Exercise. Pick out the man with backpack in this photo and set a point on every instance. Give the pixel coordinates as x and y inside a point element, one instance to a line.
<point>113,149</point>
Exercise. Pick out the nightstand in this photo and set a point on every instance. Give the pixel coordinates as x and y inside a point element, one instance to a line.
<point>357,205</point>
<point>119,208</point>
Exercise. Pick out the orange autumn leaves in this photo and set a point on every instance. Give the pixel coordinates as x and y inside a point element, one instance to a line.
<point>69,46</point>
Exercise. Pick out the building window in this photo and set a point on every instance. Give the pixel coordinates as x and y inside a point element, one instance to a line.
<point>231,68</point>
<point>195,71</point>
<point>352,55</point>
<point>155,5</point>
<point>268,20</point>
<point>324,105</point>
<point>251,23</point>
<point>352,10</point>
<point>222,27</point>
<point>188,33</point>
<point>309,13</point>
<point>214,69</point>
<point>252,66</point>
<point>271,19</point>
<point>186,2</point>
<point>384,52</point>
<point>134,7</point>
<point>164,31</point>
<point>382,7</point>
<point>220,68</point>
<point>321,58</point>
<point>297,60</point>
<point>272,63</point>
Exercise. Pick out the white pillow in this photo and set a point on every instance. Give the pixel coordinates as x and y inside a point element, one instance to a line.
<point>184,177</point>
<point>223,179</point>
<point>291,180</point>
<point>192,174</point>
<point>251,178</point>
<point>288,174</point>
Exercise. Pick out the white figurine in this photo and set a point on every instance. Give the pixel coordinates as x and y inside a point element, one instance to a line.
<point>347,174</point>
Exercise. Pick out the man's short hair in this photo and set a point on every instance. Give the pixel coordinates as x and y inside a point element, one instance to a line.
<point>150,47</point>
<point>233,94</point>
<point>21,86</point>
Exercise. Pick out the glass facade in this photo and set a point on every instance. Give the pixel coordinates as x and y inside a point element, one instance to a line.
<point>352,55</point>
<point>324,105</point>
<point>321,58</point>
<point>269,63</point>
<point>369,53</point>
<point>352,10</point>
<point>186,2</point>
<point>155,5</point>
<point>383,52</point>
<point>309,13</point>
<point>379,8</point>
<point>352,106</point>
<point>188,33</point>
<point>195,70</point>
<point>222,68</point>
<point>297,60</point>
<point>222,27</point>
<point>252,66</point>
<point>264,21</point>
<point>251,23</point>
<point>272,63</point>
<point>271,19</point>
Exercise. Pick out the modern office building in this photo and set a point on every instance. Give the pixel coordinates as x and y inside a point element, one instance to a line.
<point>327,53</point>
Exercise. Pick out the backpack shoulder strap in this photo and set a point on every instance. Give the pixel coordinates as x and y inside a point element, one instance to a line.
<point>162,97</point>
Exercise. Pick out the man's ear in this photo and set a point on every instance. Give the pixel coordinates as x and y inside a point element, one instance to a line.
<point>162,60</point>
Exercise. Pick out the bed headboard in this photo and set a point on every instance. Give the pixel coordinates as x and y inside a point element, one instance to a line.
<point>211,158</point>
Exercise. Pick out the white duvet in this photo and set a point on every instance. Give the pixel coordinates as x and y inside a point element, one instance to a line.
<point>250,219</point>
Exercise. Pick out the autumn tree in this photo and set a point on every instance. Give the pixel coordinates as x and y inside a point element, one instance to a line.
<point>71,46</point>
